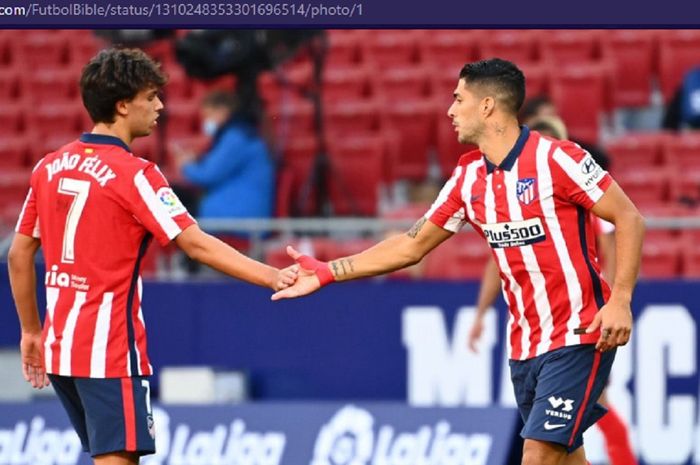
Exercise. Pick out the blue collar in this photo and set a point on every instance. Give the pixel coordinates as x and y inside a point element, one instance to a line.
<point>514,153</point>
<point>102,139</point>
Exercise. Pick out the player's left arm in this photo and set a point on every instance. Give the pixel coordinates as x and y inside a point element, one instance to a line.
<point>20,264</point>
<point>615,318</point>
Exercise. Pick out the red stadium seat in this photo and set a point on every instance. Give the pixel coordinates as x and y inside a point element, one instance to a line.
<point>13,152</point>
<point>42,144</point>
<point>537,76</point>
<point>682,150</point>
<point>40,49</point>
<point>14,183</point>
<point>283,193</point>
<point>661,259</point>
<point>646,184</point>
<point>632,54</point>
<point>298,157</point>
<point>55,119</point>
<point>686,184</point>
<point>679,51</point>
<point>387,48</point>
<point>690,253</point>
<point>635,149</point>
<point>569,47</point>
<point>581,95</point>
<point>463,256</point>
<point>448,149</point>
<point>83,46</point>
<point>9,84</point>
<point>179,86</point>
<point>346,82</point>
<point>662,210</point>
<point>181,118</point>
<point>402,82</point>
<point>6,40</point>
<point>413,122</point>
<point>449,49</point>
<point>355,174</point>
<point>443,82</point>
<point>411,211</point>
<point>344,248</point>
<point>57,86</point>
<point>11,118</point>
<point>343,47</point>
<point>518,46</point>
<point>352,117</point>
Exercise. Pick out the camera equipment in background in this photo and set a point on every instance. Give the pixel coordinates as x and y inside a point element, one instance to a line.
<point>208,54</point>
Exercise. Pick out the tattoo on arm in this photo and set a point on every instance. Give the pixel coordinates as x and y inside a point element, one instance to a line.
<point>415,229</point>
<point>340,267</point>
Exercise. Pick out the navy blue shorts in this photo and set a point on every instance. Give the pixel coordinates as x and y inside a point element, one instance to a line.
<point>557,393</point>
<point>109,414</point>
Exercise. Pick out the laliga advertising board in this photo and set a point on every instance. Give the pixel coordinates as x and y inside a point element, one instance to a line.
<point>279,434</point>
<point>651,383</point>
<point>394,341</point>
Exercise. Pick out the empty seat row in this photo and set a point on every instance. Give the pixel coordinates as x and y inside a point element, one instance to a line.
<point>638,55</point>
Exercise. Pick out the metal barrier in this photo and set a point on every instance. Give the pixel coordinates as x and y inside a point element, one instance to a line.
<point>257,229</point>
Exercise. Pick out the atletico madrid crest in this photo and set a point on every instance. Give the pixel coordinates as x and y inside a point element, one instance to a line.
<point>526,190</point>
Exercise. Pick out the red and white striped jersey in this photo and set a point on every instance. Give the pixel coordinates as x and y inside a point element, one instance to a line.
<point>95,207</point>
<point>532,209</point>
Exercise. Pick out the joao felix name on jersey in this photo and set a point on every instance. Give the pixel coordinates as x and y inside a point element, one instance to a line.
<point>95,207</point>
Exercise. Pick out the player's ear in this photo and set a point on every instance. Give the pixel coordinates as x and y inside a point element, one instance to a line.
<point>488,104</point>
<point>121,108</point>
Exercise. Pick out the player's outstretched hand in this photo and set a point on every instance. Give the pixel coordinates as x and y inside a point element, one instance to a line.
<point>615,323</point>
<point>286,277</point>
<point>475,334</point>
<point>33,360</point>
<point>312,275</point>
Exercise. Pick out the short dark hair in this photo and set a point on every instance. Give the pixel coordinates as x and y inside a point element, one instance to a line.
<point>502,75</point>
<point>116,74</point>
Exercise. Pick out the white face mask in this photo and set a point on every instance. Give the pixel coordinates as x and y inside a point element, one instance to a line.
<point>209,127</point>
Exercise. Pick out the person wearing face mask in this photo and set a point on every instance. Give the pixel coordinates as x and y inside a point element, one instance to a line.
<point>237,172</point>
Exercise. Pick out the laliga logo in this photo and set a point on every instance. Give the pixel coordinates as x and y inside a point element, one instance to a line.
<point>168,197</point>
<point>223,444</point>
<point>170,201</point>
<point>349,439</point>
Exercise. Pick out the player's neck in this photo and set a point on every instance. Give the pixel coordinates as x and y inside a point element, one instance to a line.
<point>114,130</point>
<point>499,141</point>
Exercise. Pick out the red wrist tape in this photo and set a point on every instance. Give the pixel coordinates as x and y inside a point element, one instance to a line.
<point>320,268</point>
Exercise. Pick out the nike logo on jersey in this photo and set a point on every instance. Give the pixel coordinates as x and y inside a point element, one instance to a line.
<point>549,426</point>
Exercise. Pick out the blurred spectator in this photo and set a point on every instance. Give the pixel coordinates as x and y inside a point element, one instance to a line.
<point>683,111</point>
<point>535,108</point>
<point>237,172</point>
<point>542,110</point>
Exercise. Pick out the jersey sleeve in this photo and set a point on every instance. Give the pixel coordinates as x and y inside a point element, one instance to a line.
<point>448,209</point>
<point>577,177</point>
<point>156,206</point>
<point>28,222</point>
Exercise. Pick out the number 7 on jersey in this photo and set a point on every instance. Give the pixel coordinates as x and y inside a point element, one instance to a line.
<point>79,190</point>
